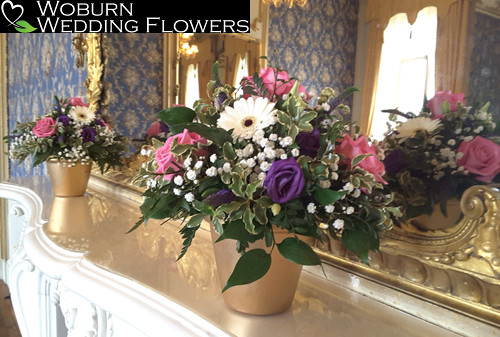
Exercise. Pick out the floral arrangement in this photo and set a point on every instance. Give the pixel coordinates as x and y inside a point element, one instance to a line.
<point>70,132</point>
<point>263,158</point>
<point>436,155</point>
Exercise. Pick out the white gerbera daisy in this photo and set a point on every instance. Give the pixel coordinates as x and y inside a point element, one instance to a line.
<point>247,116</point>
<point>82,114</point>
<point>412,126</point>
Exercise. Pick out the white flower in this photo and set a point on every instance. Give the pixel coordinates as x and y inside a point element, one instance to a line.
<point>329,208</point>
<point>247,116</point>
<point>251,162</point>
<point>188,162</point>
<point>189,197</point>
<point>338,224</point>
<point>287,141</point>
<point>451,142</point>
<point>311,208</point>
<point>178,180</point>
<point>349,210</point>
<point>211,172</point>
<point>213,158</point>
<point>356,193</point>
<point>82,114</point>
<point>348,187</point>
<point>198,166</point>
<point>295,152</point>
<point>177,191</point>
<point>226,167</point>
<point>191,175</point>
<point>412,126</point>
<point>265,166</point>
<point>273,137</point>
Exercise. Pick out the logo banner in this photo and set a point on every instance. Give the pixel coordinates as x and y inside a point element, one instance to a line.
<point>56,16</point>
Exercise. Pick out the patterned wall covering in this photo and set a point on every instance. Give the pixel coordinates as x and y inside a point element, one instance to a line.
<point>39,66</point>
<point>134,72</point>
<point>316,43</point>
<point>484,83</point>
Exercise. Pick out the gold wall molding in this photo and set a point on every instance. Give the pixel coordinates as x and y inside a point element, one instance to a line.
<point>458,268</point>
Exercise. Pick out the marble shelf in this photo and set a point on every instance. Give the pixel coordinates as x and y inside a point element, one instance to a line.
<point>95,277</point>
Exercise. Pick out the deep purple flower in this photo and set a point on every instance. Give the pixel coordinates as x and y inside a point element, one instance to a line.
<point>88,134</point>
<point>394,162</point>
<point>284,181</point>
<point>64,120</point>
<point>220,198</point>
<point>309,142</point>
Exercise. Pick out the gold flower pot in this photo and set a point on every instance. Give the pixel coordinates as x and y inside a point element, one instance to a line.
<point>437,220</point>
<point>68,181</point>
<point>272,294</point>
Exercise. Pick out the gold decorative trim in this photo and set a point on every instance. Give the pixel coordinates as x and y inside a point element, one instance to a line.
<point>457,268</point>
<point>95,69</point>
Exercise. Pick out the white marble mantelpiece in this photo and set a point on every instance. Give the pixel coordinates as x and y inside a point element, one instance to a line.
<point>76,272</point>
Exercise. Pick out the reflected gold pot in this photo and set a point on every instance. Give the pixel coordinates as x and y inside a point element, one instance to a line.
<point>70,216</point>
<point>68,181</point>
<point>271,294</point>
<point>437,220</point>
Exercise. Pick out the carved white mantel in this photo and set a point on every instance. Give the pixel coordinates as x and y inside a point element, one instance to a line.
<point>76,273</point>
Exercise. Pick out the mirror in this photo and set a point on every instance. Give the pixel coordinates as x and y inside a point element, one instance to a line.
<point>145,73</point>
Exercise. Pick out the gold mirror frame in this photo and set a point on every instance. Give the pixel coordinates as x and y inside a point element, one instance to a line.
<point>457,268</point>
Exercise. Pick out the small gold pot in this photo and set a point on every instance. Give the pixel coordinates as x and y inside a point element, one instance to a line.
<point>273,293</point>
<point>68,181</point>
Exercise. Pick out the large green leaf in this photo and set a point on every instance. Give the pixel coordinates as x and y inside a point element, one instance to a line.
<point>326,196</point>
<point>217,135</point>
<point>251,266</point>
<point>298,251</point>
<point>235,230</point>
<point>357,242</point>
<point>177,115</point>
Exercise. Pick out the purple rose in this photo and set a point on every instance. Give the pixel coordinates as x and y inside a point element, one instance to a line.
<point>64,120</point>
<point>88,134</point>
<point>284,181</point>
<point>394,162</point>
<point>309,142</point>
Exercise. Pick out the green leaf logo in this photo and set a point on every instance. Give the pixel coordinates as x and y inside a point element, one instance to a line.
<point>24,27</point>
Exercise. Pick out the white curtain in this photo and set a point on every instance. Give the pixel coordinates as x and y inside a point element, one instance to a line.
<point>192,85</point>
<point>406,72</point>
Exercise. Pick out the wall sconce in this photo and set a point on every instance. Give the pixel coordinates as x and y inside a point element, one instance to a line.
<point>185,48</point>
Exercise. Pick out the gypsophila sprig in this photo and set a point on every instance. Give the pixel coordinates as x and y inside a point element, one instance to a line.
<point>262,159</point>
<point>70,132</point>
<point>434,156</point>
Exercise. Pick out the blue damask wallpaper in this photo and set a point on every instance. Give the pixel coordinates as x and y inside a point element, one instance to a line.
<point>134,74</point>
<point>315,43</point>
<point>39,66</point>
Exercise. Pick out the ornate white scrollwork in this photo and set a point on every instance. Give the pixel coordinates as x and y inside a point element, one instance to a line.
<point>83,318</point>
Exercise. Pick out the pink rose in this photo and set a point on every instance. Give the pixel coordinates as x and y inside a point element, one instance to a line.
<point>349,149</point>
<point>77,101</point>
<point>275,83</point>
<point>436,103</point>
<point>481,156</point>
<point>166,159</point>
<point>45,127</point>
